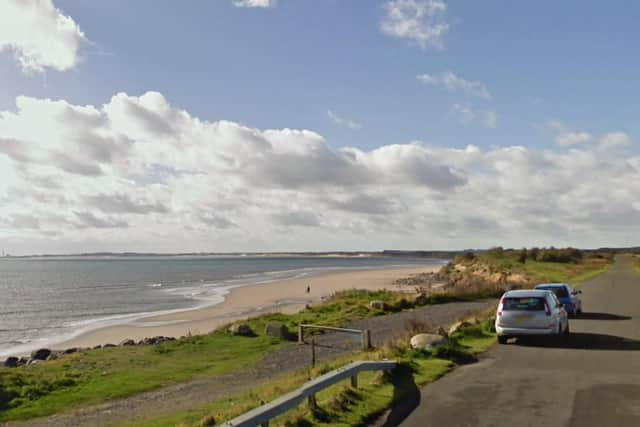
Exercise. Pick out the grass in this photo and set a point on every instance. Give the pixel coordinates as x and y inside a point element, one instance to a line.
<point>342,405</point>
<point>110,373</point>
<point>574,272</point>
<point>98,375</point>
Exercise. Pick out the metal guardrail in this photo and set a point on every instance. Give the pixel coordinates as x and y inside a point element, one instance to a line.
<point>365,334</point>
<point>262,415</point>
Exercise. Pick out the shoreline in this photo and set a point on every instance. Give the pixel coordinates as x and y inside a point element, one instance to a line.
<point>244,301</point>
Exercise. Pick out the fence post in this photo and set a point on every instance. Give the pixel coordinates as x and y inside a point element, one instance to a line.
<point>300,334</point>
<point>354,381</point>
<point>366,339</point>
<point>313,352</point>
<point>313,405</point>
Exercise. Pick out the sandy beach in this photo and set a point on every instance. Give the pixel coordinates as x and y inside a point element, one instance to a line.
<point>246,301</point>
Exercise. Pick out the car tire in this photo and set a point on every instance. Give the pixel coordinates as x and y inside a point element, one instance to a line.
<point>502,339</point>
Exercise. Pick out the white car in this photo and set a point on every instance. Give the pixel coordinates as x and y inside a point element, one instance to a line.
<point>529,313</point>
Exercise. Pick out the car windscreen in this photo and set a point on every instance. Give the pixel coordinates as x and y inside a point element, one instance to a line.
<point>523,304</point>
<point>560,291</point>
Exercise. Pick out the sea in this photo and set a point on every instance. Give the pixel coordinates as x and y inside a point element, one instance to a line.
<point>47,300</point>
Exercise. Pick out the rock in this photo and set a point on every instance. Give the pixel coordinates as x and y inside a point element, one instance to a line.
<point>35,361</point>
<point>70,350</point>
<point>23,361</point>
<point>53,356</point>
<point>127,342</point>
<point>108,345</point>
<point>459,326</point>
<point>421,299</point>
<point>40,354</point>
<point>241,329</point>
<point>97,347</point>
<point>426,341</point>
<point>11,362</point>
<point>277,329</point>
<point>378,305</point>
<point>441,331</point>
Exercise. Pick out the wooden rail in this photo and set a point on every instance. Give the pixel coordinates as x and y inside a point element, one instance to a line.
<point>363,333</point>
<point>262,415</point>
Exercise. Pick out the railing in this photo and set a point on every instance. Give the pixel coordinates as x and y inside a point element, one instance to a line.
<point>262,415</point>
<point>363,333</point>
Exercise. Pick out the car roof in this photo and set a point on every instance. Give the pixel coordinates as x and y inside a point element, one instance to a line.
<point>527,293</point>
<point>551,285</point>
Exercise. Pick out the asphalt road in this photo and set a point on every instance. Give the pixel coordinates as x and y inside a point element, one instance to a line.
<point>593,380</point>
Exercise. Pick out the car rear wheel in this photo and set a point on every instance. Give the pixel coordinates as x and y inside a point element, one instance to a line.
<point>502,339</point>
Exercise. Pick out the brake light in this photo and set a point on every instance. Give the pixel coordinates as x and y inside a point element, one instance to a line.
<point>500,307</point>
<point>547,310</point>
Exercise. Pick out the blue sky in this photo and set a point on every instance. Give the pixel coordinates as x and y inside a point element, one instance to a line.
<point>558,76</point>
<point>286,66</point>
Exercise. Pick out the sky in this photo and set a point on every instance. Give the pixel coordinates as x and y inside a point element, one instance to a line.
<point>317,125</point>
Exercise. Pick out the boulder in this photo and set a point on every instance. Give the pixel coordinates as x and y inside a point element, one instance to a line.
<point>421,299</point>
<point>426,341</point>
<point>23,361</point>
<point>277,329</point>
<point>11,362</point>
<point>35,361</point>
<point>108,345</point>
<point>40,354</point>
<point>378,305</point>
<point>459,326</point>
<point>127,342</point>
<point>70,350</point>
<point>441,331</point>
<point>241,329</point>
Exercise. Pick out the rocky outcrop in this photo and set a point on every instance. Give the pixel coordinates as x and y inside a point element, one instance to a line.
<point>426,341</point>
<point>277,330</point>
<point>458,326</point>
<point>40,354</point>
<point>127,342</point>
<point>11,362</point>
<point>241,329</point>
<point>378,305</point>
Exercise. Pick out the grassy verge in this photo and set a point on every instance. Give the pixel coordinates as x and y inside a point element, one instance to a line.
<point>342,405</point>
<point>524,267</point>
<point>98,375</point>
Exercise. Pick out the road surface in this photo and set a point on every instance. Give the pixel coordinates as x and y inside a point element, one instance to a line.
<point>593,380</point>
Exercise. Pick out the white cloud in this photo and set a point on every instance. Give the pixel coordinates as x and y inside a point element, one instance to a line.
<point>39,35</point>
<point>463,113</point>
<point>341,121</point>
<point>140,174</point>
<point>255,3</point>
<point>573,138</point>
<point>614,140</point>
<point>451,82</point>
<point>466,114</point>
<point>421,21</point>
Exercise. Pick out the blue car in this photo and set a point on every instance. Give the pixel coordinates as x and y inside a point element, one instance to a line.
<point>567,296</point>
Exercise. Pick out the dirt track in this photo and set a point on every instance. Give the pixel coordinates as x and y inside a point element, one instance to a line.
<point>293,358</point>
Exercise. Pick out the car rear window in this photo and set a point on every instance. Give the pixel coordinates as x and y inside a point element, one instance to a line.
<point>523,304</point>
<point>561,292</point>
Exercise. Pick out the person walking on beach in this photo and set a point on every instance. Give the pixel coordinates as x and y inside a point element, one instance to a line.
<point>308,289</point>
